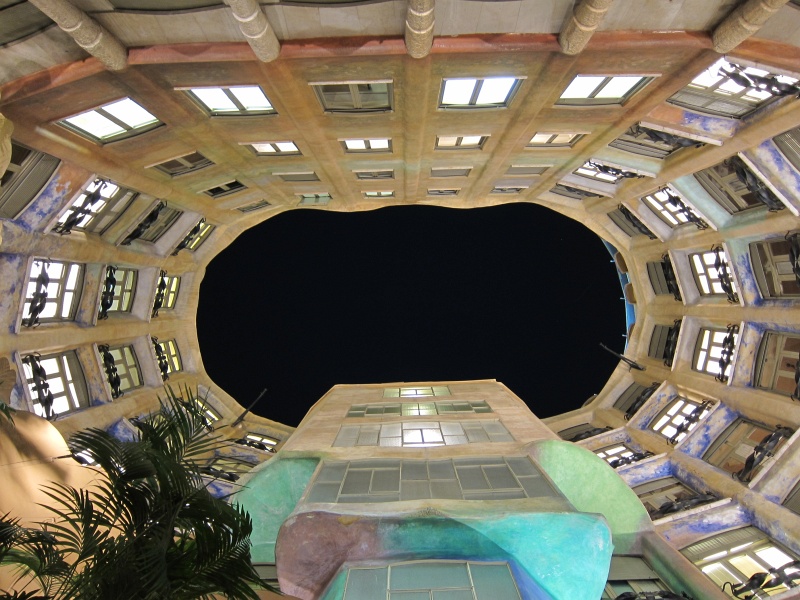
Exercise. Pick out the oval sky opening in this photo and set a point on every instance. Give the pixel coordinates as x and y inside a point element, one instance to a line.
<point>309,299</point>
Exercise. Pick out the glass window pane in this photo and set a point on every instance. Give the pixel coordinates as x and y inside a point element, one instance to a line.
<point>127,111</point>
<point>495,90</point>
<point>582,86</point>
<point>366,584</point>
<point>492,582</point>
<point>251,97</point>
<point>618,87</point>
<point>421,576</point>
<point>96,124</point>
<point>458,91</point>
<point>215,99</point>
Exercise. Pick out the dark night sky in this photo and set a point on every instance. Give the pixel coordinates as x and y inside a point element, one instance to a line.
<point>309,299</point>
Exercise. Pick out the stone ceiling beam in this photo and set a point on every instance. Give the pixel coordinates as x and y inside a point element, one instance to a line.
<point>419,27</point>
<point>87,33</point>
<point>256,28</point>
<point>743,22</point>
<point>579,29</point>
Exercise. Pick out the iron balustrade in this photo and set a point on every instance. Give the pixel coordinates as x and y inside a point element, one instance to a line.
<point>671,344</point>
<point>627,460</point>
<point>643,397</point>
<point>689,420</point>
<point>614,171</point>
<point>40,385</point>
<point>190,237</point>
<point>684,210</point>
<point>754,185</point>
<point>82,210</point>
<point>726,355</point>
<point>670,278</point>
<point>110,366</point>
<point>670,139</point>
<point>161,358</point>
<point>675,506</point>
<point>724,274</point>
<point>759,583</point>
<point>107,297</point>
<point>39,297</point>
<point>633,220</point>
<point>764,450</point>
<point>145,224</point>
<point>772,85</point>
<point>161,290</point>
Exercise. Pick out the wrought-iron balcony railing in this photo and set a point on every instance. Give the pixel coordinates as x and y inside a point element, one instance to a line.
<point>631,458</point>
<point>145,224</point>
<point>754,185</point>
<point>584,435</point>
<point>110,366</point>
<point>637,224</point>
<point>161,291</point>
<point>675,506</point>
<point>726,354</point>
<point>724,274</point>
<point>670,278</point>
<point>107,297</point>
<point>671,344</point>
<point>161,358</point>
<point>189,238</point>
<point>759,584</point>
<point>656,595</point>
<point>676,141</point>
<point>643,397</point>
<point>684,210</point>
<point>764,450</point>
<point>39,297</point>
<point>690,420</point>
<point>43,394</point>
<point>614,171</point>
<point>254,444</point>
<point>80,211</point>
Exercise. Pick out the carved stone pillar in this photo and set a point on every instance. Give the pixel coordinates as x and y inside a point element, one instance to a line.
<point>256,28</point>
<point>88,33</point>
<point>582,24</point>
<point>419,27</point>
<point>743,22</point>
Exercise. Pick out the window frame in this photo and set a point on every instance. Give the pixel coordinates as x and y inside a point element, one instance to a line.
<point>668,420</point>
<point>22,181</point>
<point>241,110</point>
<point>706,275</point>
<point>73,386</point>
<point>355,96</point>
<point>114,206</point>
<point>124,290</point>
<point>224,189</point>
<point>275,146</point>
<point>368,149</point>
<point>777,363</point>
<point>576,137</point>
<point>773,266</point>
<point>714,347</point>
<point>314,199</point>
<point>476,90</point>
<point>69,286</point>
<point>128,130</point>
<point>459,142</point>
<point>592,100</point>
<point>186,167</point>
<point>127,365</point>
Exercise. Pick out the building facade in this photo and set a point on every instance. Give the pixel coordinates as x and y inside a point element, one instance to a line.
<point>139,138</point>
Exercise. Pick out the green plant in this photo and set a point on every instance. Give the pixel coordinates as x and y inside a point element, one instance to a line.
<point>146,529</point>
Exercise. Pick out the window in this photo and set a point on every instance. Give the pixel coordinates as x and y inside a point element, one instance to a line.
<point>124,290</point>
<point>254,206</point>
<point>726,183</point>
<point>236,100</point>
<point>167,288</point>
<point>792,501</point>
<point>375,96</point>
<point>599,90</point>
<point>678,418</point>
<point>211,415</point>
<point>320,199</point>
<point>199,234</point>
<point>629,223</point>
<point>114,121</point>
<point>27,173</point>
<point>490,92</point>
<point>554,140</point>
<point>581,432</point>
<point>664,342</point>
<point>662,278</point>
<point>631,575</point>
<point>383,174</point>
<point>508,189</point>
<point>419,408</point>
<point>432,579</point>
<point>364,146</point>
<point>55,383</point>
<point>227,468</point>
<point>776,267</point>
<point>442,192</point>
<point>789,145</point>
<point>184,164</point>
<point>652,143</point>
<point>225,189</point>
<point>154,225</point>
<point>416,392</point>
<point>96,208</point>
<point>734,446</point>
<point>715,92</point>
<point>634,397</point>
<point>777,363</point>
<point>712,273</point>
<point>669,207</point>
<point>422,434</point>
<point>591,170</point>
<point>573,192</point>
<point>612,453</point>
<point>168,357</point>
<point>466,142</point>
<point>383,194</point>
<point>292,177</point>
<point>733,557</point>
<point>451,171</point>
<point>391,480</point>
<point>655,494</point>
<point>274,148</point>
<point>526,170</point>
<point>126,365</point>
<point>259,441</point>
<point>714,351</point>
<point>52,292</point>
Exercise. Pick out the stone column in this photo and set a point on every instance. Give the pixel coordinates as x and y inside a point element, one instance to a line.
<point>6,127</point>
<point>743,22</point>
<point>255,28</point>
<point>88,34</point>
<point>419,27</point>
<point>582,24</point>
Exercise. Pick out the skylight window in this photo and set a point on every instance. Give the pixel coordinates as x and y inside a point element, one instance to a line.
<point>601,90</point>
<point>238,100</point>
<point>274,148</point>
<point>369,96</point>
<point>554,140</point>
<point>116,120</point>
<point>490,92</point>
<point>466,142</point>
<point>384,194</point>
<point>320,199</point>
<point>371,145</point>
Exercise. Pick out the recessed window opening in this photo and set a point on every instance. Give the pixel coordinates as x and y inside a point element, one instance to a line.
<point>52,292</point>
<point>115,120</point>
<point>274,148</point>
<point>182,165</point>
<point>466,142</point>
<point>598,90</point>
<point>56,384</point>
<point>554,140</point>
<point>490,92</point>
<point>355,97</point>
<point>367,145</point>
<point>225,189</point>
<point>235,100</point>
